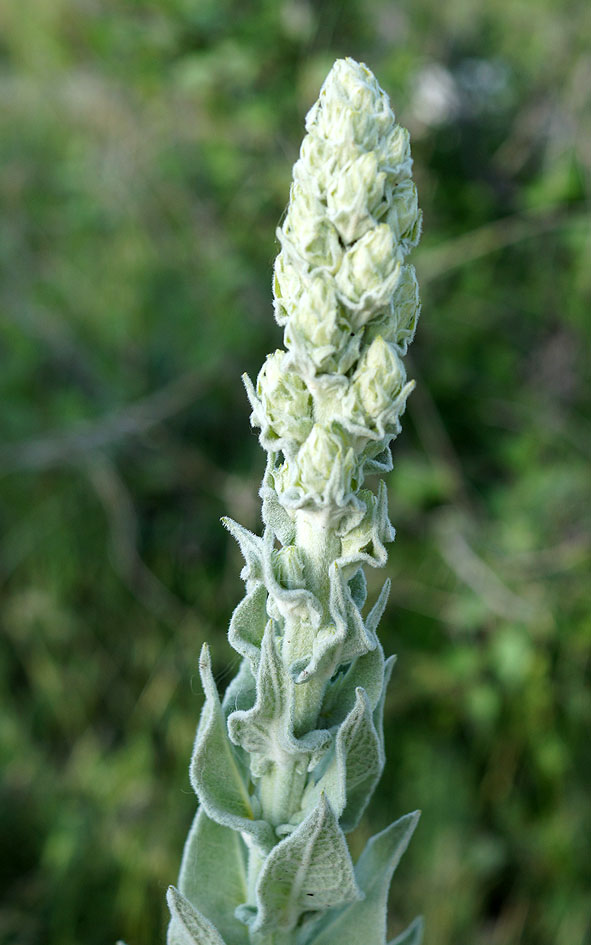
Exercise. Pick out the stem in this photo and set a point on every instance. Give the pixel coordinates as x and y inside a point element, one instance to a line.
<point>281,791</point>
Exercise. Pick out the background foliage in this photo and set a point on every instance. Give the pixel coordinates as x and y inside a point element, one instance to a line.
<point>145,159</point>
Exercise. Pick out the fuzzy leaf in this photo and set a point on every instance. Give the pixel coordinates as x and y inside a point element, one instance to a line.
<point>251,547</point>
<point>241,691</point>
<point>348,637</point>
<point>358,742</point>
<point>215,770</point>
<point>187,926</point>
<point>365,921</point>
<point>348,620</point>
<point>378,714</point>
<point>366,671</point>
<point>364,544</point>
<point>311,870</point>
<point>375,615</point>
<point>213,874</point>
<point>355,766</point>
<point>248,625</point>
<point>274,515</point>
<point>413,935</point>
<point>358,588</point>
<point>266,730</point>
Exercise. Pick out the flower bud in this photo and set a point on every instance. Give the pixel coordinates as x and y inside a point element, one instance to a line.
<point>317,313</point>
<point>316,165</point>
<point>395,153</point>
<point>288,567</point>
<point>377,383</point>
<point>369,272</point>
<point>321,458</point>
<point>399,324</point>
<point>403,215</point>
<point>355,196</point>
<point>309,230</point>
<point>351,107</point>
<point>285,400</point>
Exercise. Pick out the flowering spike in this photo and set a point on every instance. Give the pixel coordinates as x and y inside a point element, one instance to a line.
<point>288,762</point>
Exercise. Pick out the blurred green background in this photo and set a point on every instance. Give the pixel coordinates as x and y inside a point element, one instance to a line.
<point>145,159</point>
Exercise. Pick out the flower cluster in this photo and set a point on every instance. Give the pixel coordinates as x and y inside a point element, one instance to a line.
<point>346,301</point>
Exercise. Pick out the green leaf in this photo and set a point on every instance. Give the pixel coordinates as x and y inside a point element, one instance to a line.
<point>266,730</point>
<point>375,615</point>
<point>355,638</point>
<point>251,547</point>
<point>413,935</point>
<point>215,770</point>
<point>311,870</point>
<point>241,690</point>
<point>366,671</point>
<point>358,588</point>
<point>355,766</point>
<point>213,874</point>
<point>187,926</point>
<point>274,514</point>
<point>358,742</point>
<point>365,921</point>
<point>248,625</point>
<point>378,714</point>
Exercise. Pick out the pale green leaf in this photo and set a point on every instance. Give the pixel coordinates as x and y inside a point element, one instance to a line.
<point>251,547</point>
<point>248,625</point>
<point>216,773</point>
<point>358,588</point>
<point>354,768</point>
<point>378,714</point>
<point>311,870</point>
<point>366,671</point>
<point>187,925</point>
<point>365,921</point>
<point>241,690</point>
<point>213,874</point>
<point>266,730</point>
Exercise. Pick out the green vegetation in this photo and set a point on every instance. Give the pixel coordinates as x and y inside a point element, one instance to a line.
<point>145,159</point>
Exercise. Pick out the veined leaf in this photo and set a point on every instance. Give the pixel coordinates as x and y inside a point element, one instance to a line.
<point>365,921</point>
<point>266,730</point>
<point>213,874</point>
<point>355,767</point>
<point>311,870</point>
<point>215,770</point>
<point>248,623</point>
<point>187,926</point>
<point>366,671</point>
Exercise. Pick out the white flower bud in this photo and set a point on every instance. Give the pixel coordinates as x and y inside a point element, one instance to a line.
<point>395,153</point>
<point>323,457</point>
<point>377,384</point>
<point>316,165</point>
<point>354,197</point>
<point>285,400</point>
<point>403,215</point>
<point>369,273</point>
<point>317,314</point>
<point>351,107</point>
<point>287,286</point>
<point>289,567</point>
<point>309,230</point>
<point>398,325</point>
